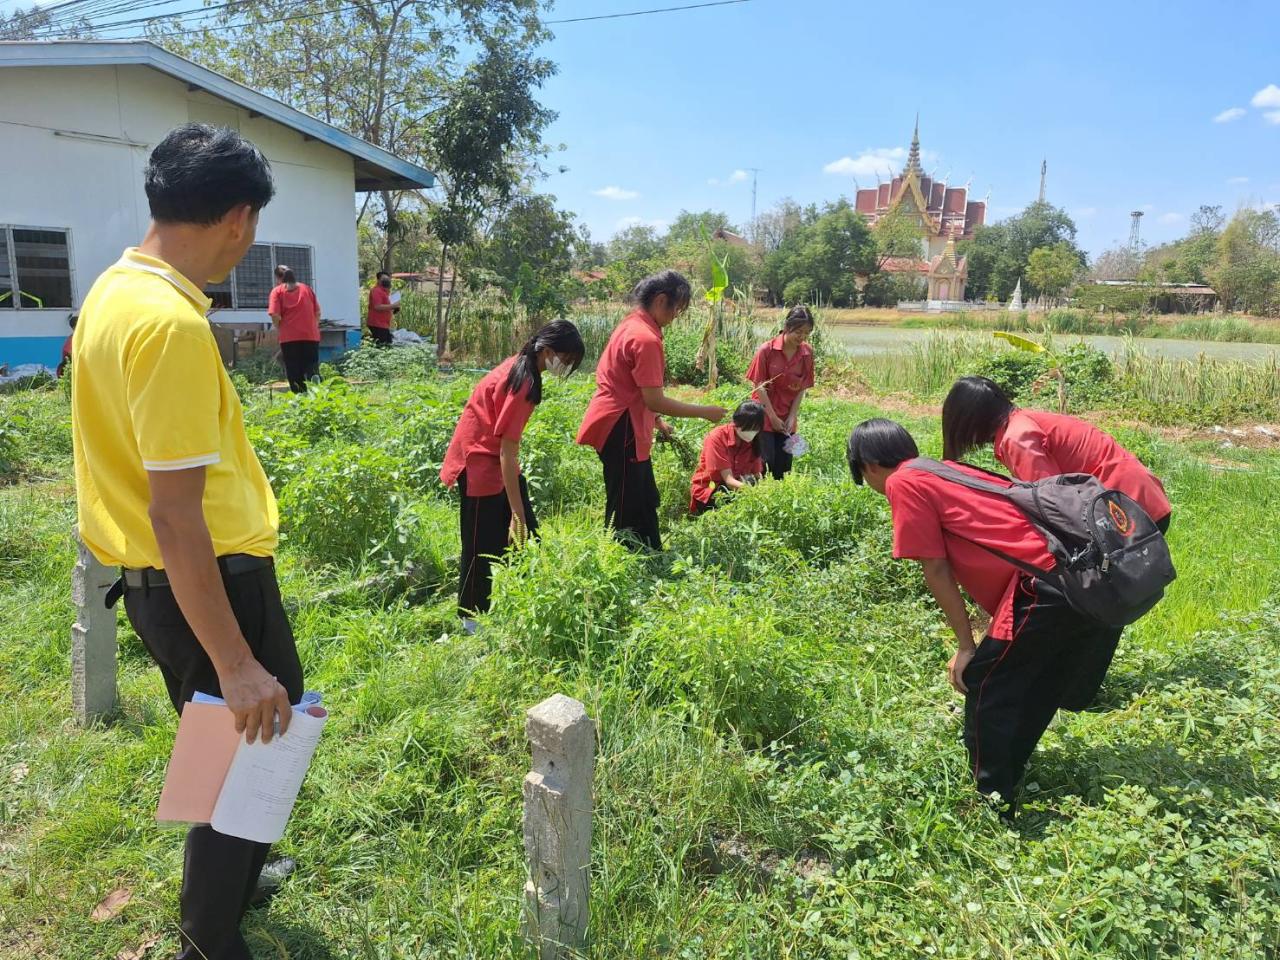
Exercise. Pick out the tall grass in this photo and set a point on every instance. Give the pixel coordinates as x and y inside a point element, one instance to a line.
<point>1227,328</point>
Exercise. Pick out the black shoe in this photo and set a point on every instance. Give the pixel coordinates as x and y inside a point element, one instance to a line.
<point>273,875</point>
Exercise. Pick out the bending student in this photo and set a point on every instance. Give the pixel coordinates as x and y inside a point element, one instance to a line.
<point>169,489</point>
<point>782,371</point>
<point>483,458</point>
<point>1036,646</point>
<point>730,457</point>
<point>1034,445</point>
<point>623,412</point>
<point>295,311</point>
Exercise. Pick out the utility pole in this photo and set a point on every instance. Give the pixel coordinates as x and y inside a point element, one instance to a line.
<point>755,172</point>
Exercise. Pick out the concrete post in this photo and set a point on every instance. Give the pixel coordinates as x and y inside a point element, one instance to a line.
<point>557,826</point>
<point>93,638</point>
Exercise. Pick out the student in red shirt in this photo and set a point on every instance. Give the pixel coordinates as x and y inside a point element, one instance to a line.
<point>483,458</point>
<point>623,412</point>
<point>66,344</point>
<point>381,310</point>
<point>730,457</point>
<point>295,311</point>
<point>782,371</point>
<point>1034,445</point>
<point>1015,680</point>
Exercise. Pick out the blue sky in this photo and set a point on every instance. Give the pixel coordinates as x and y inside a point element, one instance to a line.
<point>1121,97</point>
<point>1136,105</point>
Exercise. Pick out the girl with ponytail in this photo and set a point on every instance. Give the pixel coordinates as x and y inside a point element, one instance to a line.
<point>483,458</point>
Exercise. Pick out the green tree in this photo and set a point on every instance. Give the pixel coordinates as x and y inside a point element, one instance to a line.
<point>829,252</point>
<point>897,234</point>
<point>999,254</point>
<point>1052,269</point>
<point>629,256</point>
<point>492,109</point>
<point>1246,273</point>
<point>380,69</point>
<point>529,251</point>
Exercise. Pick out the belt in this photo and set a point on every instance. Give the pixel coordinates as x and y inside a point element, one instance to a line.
<point>231,565</point>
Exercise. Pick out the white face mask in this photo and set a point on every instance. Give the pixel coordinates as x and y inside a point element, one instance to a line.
<point>557,367</point>
<point>747,435</point>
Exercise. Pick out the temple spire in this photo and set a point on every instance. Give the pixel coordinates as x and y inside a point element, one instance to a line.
<point>1044,168</point>
<point>913,158</point>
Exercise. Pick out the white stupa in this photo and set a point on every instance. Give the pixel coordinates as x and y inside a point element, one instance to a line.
<point>1016,303</point>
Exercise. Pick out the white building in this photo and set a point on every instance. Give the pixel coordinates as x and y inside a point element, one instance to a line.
<point>78,121</point>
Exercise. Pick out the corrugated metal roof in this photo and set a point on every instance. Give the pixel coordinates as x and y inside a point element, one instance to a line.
<point>376,169</point>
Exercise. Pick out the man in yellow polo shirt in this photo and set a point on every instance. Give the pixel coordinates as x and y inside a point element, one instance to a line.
<point>170,490</point>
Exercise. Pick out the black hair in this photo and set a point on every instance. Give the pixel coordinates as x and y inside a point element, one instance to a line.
<point>797,319</point>
<point>881,442</point>
<point>750,416</point>
<point>285,274</point>
<point>198,173</point>
<point>668,282</point>
<point>974,410</point>
<point>382,273</point>
<point>562,337</point>
<point>72,320</point>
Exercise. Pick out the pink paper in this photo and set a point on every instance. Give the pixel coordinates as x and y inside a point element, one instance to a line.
<point>202,753</point>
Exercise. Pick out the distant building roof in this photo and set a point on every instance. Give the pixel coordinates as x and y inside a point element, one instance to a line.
<point>376,169</point>
<point>731,238</point>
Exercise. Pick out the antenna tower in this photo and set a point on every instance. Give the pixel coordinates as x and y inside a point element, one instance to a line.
<point>755,172</point>
<point>1134,229</point>
<point>1044,168</point>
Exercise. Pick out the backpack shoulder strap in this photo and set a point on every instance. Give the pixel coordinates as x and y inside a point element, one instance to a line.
<point>947,472</point>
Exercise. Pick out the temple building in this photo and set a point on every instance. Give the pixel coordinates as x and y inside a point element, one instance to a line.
<point>944,214</point>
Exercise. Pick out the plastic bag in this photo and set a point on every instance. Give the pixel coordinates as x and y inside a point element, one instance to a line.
<point>796,445</point>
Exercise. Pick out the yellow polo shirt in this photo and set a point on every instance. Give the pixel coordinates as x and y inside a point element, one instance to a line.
<point>149,392</point>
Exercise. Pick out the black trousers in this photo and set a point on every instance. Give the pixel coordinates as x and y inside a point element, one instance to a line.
<point>486,527</point>
<point>219,872</point>
<point>630,491</point>
<point>380,336</point>
<point>776,460</point>
<point>301,363</point>
<point>1016,686</point>
<point>1096,660</point>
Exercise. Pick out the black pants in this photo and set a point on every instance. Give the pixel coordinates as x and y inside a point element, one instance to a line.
<point>1016,686</point>
<point>699,507</point>
<point>486,525</point>
<point>1096,660</point>
<point>301,363</point>
<point>381,336</point>
<point>630,491</point>
<point>219,872</point>
<point>776,460</point>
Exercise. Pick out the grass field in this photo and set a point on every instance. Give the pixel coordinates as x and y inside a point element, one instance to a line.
<point>779,773</point>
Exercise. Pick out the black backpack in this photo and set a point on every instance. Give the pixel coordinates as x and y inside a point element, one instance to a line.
<point>1112,560</point>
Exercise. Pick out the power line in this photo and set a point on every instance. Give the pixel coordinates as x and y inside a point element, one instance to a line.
<point>206,14</point>
<point>644,13</point>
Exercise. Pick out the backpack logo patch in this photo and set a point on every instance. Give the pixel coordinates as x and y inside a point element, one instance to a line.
<point>1124,525</point>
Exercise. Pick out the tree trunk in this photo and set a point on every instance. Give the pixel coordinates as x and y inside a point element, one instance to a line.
<point>442,322</point>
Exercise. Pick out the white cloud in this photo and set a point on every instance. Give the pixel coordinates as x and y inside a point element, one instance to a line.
<point>738,176</point>
<point>1268,96</point>
<point>625,222</point>
<point>1273,116</point>
<point>1231,113</point>
<point>1170,218</point>
<point>1084,213</point>
<point>616,193</point>
<point>869,163</point>
<point>1237,180</point>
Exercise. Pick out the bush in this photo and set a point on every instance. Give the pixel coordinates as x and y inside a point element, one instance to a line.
<point>326,412</point>
<point>346,505</point>
<point>682,342</point>
<point>720,658</point>
<point>569,595</point>
<point>411,361</point>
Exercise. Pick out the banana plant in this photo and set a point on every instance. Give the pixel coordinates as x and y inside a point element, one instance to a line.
<point>1055,365</point>
<point>715,314</point>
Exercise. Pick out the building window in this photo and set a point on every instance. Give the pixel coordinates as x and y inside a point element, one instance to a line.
<point>35,268</point>
<point>250,283</point>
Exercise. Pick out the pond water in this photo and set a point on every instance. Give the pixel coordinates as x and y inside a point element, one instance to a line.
<point>865,340</point>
